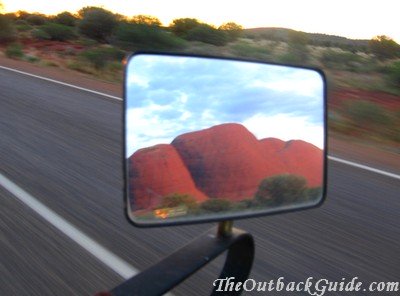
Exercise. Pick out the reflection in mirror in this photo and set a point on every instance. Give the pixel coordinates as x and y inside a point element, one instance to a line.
<point>211,139</point>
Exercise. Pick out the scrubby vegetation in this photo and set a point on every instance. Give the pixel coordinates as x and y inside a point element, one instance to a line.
<point>95,41</point>
<point>273,192</point>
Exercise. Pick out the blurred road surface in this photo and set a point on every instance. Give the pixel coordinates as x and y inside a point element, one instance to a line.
<point>63,146</point>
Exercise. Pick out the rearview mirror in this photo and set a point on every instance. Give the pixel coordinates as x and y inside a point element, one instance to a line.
<point>210,139</point>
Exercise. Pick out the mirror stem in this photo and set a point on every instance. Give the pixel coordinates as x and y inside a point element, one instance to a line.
<point>225,228</point>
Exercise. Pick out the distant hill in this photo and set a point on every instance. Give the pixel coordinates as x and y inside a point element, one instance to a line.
<point>282,34</point>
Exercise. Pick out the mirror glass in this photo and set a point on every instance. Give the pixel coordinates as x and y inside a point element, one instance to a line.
<point>211,139</point>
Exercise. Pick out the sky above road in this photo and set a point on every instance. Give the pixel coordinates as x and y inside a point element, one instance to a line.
<point>357,19</point>
<point>169,96</point>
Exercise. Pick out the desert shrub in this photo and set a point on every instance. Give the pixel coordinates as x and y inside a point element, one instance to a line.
<point>7,29</point>
<point>22,25</point>
<point>40,34</point>
<point>175,200</point>
<point>384,47</point>
<point>313,193</point>
<point>366,115</point>
<point>393,74</point>
<point>49,63</point>
<point>298,51</point>
<point>281,189</point>
<point>207,34</point>
<point>233,31</point>
<point>182,26</point>
<point>31,58</point>
<point>343,61</point>
<point>58,32</point>
<point>97,23</point>
<point>14,51</point>
<point>246,49</point>
<point>65,18</point>
<point>290,58</point>
<point>145,20</point>
<point>99,57</point>
<point>115,67</point>
<point>80,67</point>
<point>36,20</point>
<point>137,36</point>
<point>216,205</point>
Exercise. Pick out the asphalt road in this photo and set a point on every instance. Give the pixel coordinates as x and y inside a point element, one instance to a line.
<point>63,146</point>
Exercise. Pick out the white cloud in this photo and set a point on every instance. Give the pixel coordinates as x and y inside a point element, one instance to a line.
<point>286,127</point>
<point>137,80</point>
<point>302,82</point>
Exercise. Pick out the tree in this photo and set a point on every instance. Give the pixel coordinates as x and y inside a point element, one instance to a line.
<point>7,30</point>
<point>384,47</point>
<point>207,34</point>
<point>144,37</point>
<point>97,23</point>
<point>183,25</point>
<point>281,189</point>
<point>145,20</point>
<point>65,18</point>
<point>233,30</point>
<point>22,14</point>
<point>36,19</point>
<point>58,32</point>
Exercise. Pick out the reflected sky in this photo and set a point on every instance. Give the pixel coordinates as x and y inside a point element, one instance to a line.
<point>171,95</point>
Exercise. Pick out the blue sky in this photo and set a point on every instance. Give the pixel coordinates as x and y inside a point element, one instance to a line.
<point>168,96</point>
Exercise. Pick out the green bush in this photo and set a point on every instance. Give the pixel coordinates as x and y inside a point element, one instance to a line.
<point>216,205</point>
<point>65,18</point>
<point>58,32</point>
<point>182,26</point>
<point>7,30</point>
<point>145,20</point>
<point>384,47</point>
<point>246,49</point>
<point>394,74</point>
<point>343,61</point>
<point>99,57</point>
<point>314,193</point>
<point>36,20</point>
<point>144,37</point>
<point>22,25</point>
<point>367,115</point>
<point>233,31</point>
<point>14,51</point>
<point>207,34</point>
<point>97,23</point>
<point>175,200</point>
<point>281,189</point>
<point>40,34</point>
<point>31,58</point>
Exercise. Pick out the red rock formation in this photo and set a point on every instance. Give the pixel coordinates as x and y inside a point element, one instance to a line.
<point>304,159</point>
<point>271,147</point>
<point>224,161</point>
<point>156,172</point>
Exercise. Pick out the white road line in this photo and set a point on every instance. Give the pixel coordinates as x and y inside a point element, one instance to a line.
<point>121,267</point>
<point>364,167</point>
<point>63,83</point>
<point>361,166</point>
